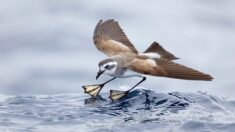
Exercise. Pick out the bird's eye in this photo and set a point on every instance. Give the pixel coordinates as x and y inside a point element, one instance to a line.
<point>107,66</point>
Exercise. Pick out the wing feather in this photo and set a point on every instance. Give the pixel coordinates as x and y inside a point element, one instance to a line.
<point>167,69</point>
<point>157,48</point>
<point>110,38</point>
<point>175,70</point>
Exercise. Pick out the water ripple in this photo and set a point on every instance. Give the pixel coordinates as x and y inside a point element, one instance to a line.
<point>157,111</point>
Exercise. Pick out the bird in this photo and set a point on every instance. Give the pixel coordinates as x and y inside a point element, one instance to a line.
<point>125,61</point>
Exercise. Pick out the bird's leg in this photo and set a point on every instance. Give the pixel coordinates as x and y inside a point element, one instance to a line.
<point>117,94</point>
<point>94,90</point>
<point>143,79</point>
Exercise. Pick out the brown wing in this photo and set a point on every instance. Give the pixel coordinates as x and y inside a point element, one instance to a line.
<point>157,48</point>
<point>146,66</point>
<point>110,39</point>
<point>167,69</point>
<point>175,70</point>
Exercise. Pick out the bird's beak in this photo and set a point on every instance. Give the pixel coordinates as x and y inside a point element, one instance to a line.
<point>99,73</point>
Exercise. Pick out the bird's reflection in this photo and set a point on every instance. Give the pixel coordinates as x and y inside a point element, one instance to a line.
<point>94,100</point>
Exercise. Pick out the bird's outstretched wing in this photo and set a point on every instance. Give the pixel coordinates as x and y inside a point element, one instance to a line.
<point>156,48</point>
<point>166,68</point>
<point>110,39</point>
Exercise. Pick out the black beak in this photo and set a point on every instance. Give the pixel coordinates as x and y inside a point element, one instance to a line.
<point>99,73</point>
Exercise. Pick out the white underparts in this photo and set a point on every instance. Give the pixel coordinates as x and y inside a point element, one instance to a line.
<point>130,73</point>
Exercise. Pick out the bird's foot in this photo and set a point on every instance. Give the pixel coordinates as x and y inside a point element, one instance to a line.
<point>117,94</point>
<point>93,90</point>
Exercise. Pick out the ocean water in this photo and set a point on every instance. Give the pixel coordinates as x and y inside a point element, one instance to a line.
<point>47,54</point>
<point>141,110</point>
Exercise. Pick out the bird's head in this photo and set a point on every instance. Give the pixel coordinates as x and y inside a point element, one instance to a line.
<point>107,66</point>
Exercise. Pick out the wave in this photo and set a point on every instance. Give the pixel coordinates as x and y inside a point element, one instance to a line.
<point>141,110</point>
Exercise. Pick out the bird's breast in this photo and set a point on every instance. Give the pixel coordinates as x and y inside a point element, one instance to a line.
<point>130,73</point>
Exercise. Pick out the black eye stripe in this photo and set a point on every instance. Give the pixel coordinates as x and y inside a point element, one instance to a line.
<point>109,67</point>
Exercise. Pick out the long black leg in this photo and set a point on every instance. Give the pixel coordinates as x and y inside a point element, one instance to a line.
<point>94,90</point>
<point>109,81</point>
<point>143,79</point>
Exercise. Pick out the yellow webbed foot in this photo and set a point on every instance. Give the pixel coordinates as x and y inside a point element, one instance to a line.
<point>116,94</point>
<point>93,90</point>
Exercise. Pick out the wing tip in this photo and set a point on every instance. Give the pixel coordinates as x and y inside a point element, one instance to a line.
<point>106,21</point>
<point>155,47</point>
<point>102,27</point>
<point>208,77</point>
<point>178,71</point>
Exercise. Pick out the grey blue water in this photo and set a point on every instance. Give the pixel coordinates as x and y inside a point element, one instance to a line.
<point>141,110</point>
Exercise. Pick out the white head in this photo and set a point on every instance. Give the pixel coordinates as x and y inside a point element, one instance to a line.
<point>107,66</point>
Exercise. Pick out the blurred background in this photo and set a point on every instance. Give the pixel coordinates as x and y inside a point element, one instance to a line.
<point>46,46</point>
